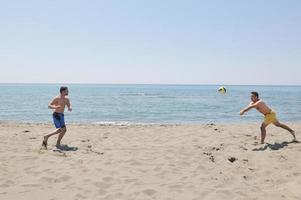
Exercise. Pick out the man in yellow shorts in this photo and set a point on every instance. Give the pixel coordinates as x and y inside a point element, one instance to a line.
<point>269,116</point>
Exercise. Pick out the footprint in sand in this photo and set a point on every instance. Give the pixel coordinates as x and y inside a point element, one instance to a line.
<point>102,185</point>
<point>106,135</point>
<point>7,184</point>
<point>210,124</point>
<point>251,169</point>
<point>47,179</point>
<point>282,158</point>
<point>101,192</point>
<point>243,148</point>
<point>31,185</point>
<point>107,179</point>
<point>63,178</point>
<point>232,159</point>
<point>130,180</point>
<point>217,130</point>
<point>207,153</point>
<point>216,148</point>
<point>157,169</point>
<point>80,196</point>
<point>149,192</point>
<point>211,157</point>
<point>91,150</point>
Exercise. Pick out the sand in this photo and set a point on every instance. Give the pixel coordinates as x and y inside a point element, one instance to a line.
<point>141,162</point>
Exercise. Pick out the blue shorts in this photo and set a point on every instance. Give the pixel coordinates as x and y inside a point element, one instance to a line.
<point>59,120</point>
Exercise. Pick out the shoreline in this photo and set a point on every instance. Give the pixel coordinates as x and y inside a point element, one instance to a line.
<point>258,122</point>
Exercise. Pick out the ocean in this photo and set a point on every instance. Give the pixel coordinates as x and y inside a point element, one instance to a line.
<point>146,104</point>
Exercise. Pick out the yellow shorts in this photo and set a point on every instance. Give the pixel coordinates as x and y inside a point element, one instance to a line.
<point>270,118</point>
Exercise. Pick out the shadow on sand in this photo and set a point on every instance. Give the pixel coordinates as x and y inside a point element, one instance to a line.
<point>66,148</point>
<point>275,146</point>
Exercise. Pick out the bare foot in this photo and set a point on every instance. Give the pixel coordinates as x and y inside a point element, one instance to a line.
<point>294,135</point>
<point>295,141</point>
<point>44,143</point>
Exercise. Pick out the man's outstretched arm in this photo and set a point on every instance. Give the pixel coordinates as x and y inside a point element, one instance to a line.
<point>243,111</point>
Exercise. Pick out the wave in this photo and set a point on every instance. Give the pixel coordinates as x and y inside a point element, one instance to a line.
<point>147,95</point>
<point>112,123</point>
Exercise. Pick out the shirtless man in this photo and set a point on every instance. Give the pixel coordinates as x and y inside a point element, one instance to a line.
<point>269,115</point>
<point>58,105</point>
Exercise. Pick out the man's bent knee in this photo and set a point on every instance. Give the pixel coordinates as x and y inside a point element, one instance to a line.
<point>64,129</point>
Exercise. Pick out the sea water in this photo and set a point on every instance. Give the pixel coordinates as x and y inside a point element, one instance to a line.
<point>135,104</point>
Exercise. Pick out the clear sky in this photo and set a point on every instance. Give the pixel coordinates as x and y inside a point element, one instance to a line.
<point>151,41</point>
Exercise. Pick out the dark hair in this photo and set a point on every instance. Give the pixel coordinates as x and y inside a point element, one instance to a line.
<point>255,94</point>
<point>63,88</point>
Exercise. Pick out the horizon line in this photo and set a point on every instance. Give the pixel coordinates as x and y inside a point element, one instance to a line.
<point>187,84</point>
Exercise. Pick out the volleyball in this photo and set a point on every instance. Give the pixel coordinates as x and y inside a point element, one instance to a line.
<point>222,90</point>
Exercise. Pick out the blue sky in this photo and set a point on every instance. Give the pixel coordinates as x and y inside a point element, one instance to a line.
<point>151,41</point>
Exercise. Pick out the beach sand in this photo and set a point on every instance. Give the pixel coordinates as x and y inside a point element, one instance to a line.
<point>141,162</point>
